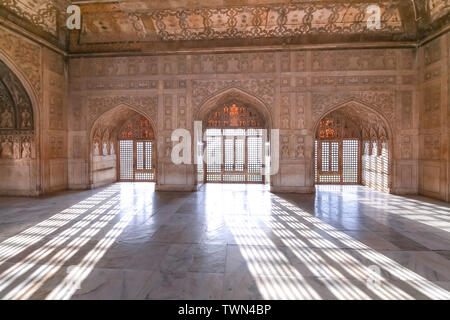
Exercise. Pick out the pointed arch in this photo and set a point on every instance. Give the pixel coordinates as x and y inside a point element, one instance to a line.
<point>356,105</point>
<point>33,123</point>
<point>109,124</point>
<point>234,95</point>
<point>374,128</point>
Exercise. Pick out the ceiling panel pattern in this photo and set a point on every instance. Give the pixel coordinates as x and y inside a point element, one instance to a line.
<point>41,13</point>
<point>136,25</point>
<point>270,21</point>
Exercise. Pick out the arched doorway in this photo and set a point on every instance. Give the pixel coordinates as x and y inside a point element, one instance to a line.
<point>234,144</point>
<point>19,152</point>
<point>245,127</point>
<point>137,150</point>
<point>123,147</point>
<point>352,146</point>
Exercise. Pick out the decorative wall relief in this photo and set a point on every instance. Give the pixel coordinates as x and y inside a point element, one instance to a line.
<point>6,145</point>
<point>354,60</point>
<point>204,89</point>
<point>299,147</point>
<point>285,112</point>
<point>285,62</point>
<point>284,147</point>
<point>406,109</point>
<point>182,112</point>
<point>300,61</point>
<point>16,117</point>
<point>406,147</point>
<point>382,101</point>
<point>300,111</point>
<point>56,143</point>
<point>353,80</point>
<point>431,107</point>
<point>431,149</point>
<point>168,112</point>
<point>26,55</point>
<point>292,146</point>
<point>56,114</point>
<point>99,105</point>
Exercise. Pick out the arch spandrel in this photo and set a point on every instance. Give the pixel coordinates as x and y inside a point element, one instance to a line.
<point>240,98</point>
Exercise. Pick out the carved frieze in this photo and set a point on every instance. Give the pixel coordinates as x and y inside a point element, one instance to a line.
<point>354,60</point>
<point>17,146</point>
<point>353,80</point>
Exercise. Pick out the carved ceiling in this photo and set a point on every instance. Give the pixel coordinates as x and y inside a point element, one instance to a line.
<point>145,25</point>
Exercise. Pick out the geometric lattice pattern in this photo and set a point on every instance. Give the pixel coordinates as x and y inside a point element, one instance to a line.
<point>337,162</point>
<point>126,159</point>
<point>234,155</point>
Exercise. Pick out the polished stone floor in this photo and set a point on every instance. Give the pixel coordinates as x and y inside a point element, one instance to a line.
<point>126,241</point>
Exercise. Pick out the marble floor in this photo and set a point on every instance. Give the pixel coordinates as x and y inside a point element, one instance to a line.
<point>126,241</point>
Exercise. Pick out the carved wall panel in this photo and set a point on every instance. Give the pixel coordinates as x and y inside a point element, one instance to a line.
<point>182,112</point>
<point>383,102</point>
<point>56,146</point>
<point>406,147</point>
<point>354,60</point>
<point>56,111</point>
<point>27,57</point>
<point>431,147</point>
<point>204,89</point>
<point>168,112</point>
<point>407,110</point>
<point>16,118</point>
<point>99,105</point>
<point>299,115</point>
<point>285,116</point>
<point>431,107</point>
<point>353,80</point>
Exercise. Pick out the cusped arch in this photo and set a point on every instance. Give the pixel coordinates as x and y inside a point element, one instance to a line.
<point>122,107</point>
<point>365,114</point>
<point>112,121</point>
<point>234,96</point>
<point>355,105</point>
<point>34,117</point>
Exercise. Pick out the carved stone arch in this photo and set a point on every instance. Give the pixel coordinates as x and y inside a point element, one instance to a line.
<point>381,103</point>
<point>230,96</point>
<point>374,127</point>
<point>357,105</point>
<point>109,123</point>
<point>26,121</point>
<point>151,117</point>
